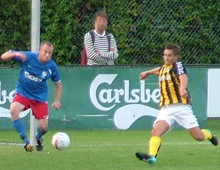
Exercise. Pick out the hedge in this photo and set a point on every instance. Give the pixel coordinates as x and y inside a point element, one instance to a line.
<point>141,28</point>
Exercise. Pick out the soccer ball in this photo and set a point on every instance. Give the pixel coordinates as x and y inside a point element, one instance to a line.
<point>60,140</point>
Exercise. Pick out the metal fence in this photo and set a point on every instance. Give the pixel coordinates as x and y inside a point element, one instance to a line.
<point>141,28</point>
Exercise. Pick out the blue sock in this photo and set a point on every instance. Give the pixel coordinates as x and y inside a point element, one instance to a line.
<point>40,133</point>
<point>19,127</point>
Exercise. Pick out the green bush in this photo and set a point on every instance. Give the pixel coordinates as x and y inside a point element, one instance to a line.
<point>15,25</point>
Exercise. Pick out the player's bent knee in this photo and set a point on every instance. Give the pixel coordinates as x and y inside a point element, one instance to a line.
<point>155,132</point>
<point>14,114</point>
<point>43,124</point>
<point>158,131</point>
<point>43,128</point>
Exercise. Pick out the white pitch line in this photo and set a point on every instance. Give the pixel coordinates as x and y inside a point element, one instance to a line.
<point>151,83</point>
<point>120,144</point>
<point>11,144</point>
<point>91,115</point>
<point>110,119</point>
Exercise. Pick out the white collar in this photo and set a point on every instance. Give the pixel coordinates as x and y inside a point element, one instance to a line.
<point>102,35</point>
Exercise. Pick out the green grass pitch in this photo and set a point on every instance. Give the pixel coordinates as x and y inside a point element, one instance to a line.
<point>113,150</point>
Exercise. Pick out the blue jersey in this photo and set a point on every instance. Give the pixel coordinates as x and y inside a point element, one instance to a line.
<point>33,75</point>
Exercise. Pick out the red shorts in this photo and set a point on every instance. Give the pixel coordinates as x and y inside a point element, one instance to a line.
<point>39,109</point>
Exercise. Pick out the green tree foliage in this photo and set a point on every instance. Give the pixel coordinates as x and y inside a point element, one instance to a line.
<point>14,25</point>
<point>141,28</point>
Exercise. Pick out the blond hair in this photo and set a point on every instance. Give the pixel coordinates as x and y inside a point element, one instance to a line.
<point>47,43</point>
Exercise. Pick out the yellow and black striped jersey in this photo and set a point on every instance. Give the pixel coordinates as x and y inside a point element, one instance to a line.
<point>169,84</point>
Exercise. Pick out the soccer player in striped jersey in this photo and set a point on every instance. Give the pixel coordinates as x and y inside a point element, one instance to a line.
<point>175,104</point>
<point>99,51</point>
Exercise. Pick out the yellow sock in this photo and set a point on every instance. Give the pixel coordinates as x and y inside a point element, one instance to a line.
<point>154,145</point>
<point>207,134</point>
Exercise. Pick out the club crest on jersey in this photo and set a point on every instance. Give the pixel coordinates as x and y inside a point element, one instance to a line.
<point>44,73</point>
<point>166,69</point>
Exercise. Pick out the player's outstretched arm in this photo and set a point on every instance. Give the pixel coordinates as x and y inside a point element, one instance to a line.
<point>154,71</point>
<point>9,55</point>
<point>58,89</point>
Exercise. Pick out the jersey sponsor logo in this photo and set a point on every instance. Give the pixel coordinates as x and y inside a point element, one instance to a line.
<point>164,77</point>
<point>31,77</point>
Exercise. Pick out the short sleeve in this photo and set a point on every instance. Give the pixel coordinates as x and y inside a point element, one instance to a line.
<point>55,77</point>
<point>179,69</point>
<point>17,59</point>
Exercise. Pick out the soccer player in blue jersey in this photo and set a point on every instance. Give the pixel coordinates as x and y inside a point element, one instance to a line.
<point>31,90</point>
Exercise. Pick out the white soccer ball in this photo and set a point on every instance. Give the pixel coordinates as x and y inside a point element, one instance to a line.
<point>60,140</point>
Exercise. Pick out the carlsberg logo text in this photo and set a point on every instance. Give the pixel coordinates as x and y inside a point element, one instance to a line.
<point>5,95</point>
<point>114,96</point>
